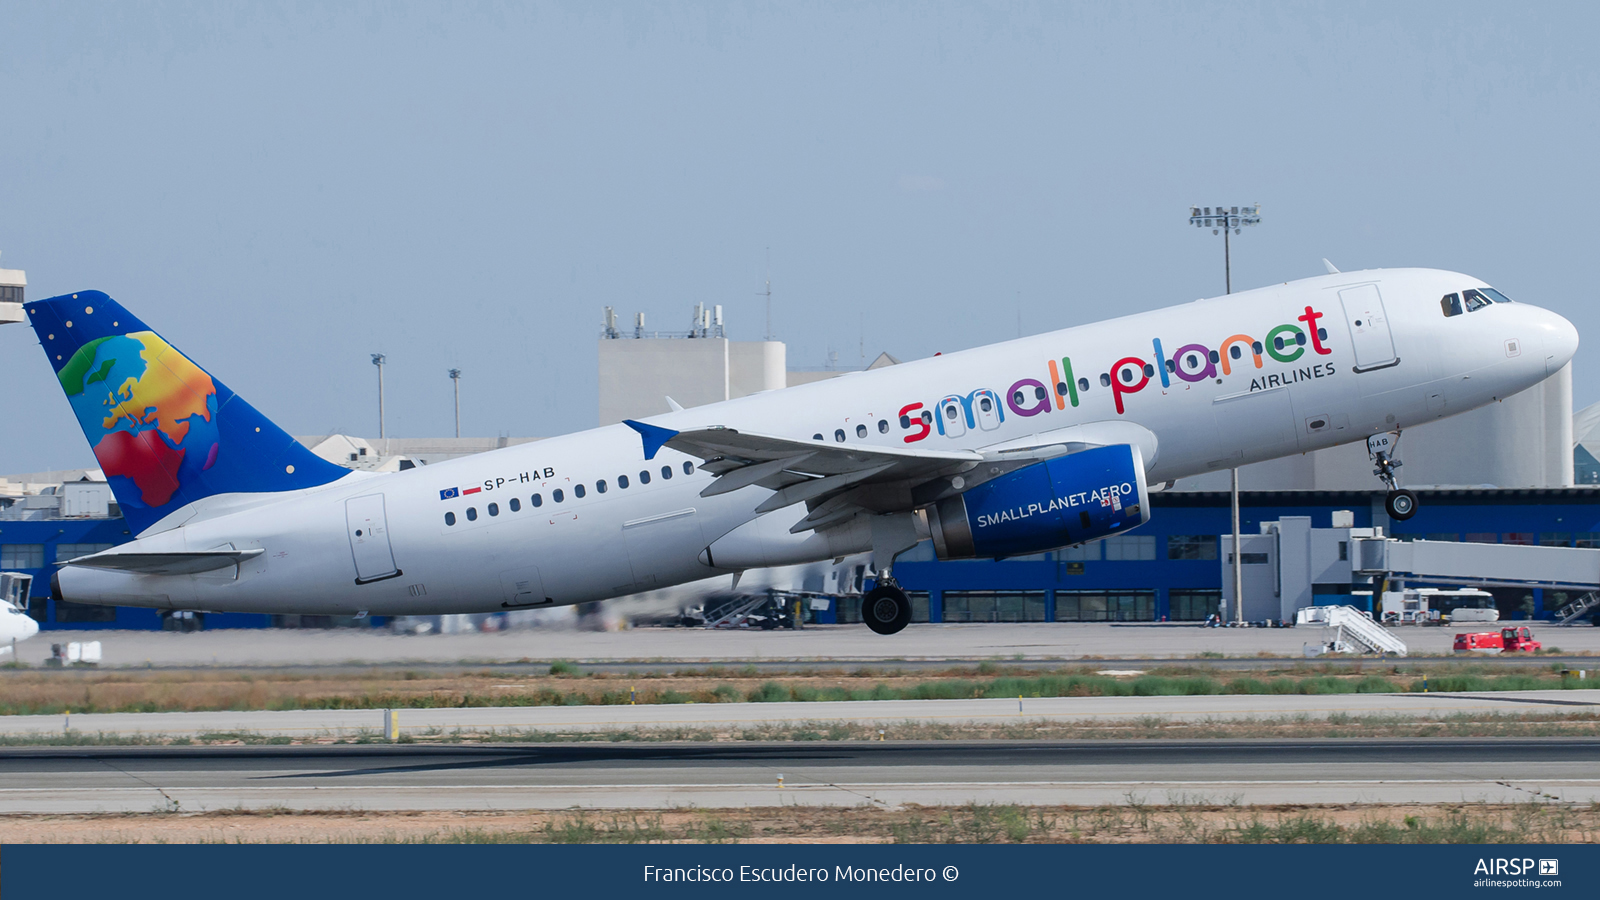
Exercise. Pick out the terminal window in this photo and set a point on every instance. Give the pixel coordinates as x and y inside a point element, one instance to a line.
<point>994,606</point>
<point>1194,606</point>
<point>67,611</point>
<point>1105,606</point>
<point>65,552</point>
<point>1555,539</point>
<point>1082,553</point>
<point>21,556</point>
<point>1588,539</point>
<point>10,294</point>
<point>849,608</point>
<point>1131,547</point>
<point>1525,538</point>
<point>1191,546</point>
<point>1481,537</point>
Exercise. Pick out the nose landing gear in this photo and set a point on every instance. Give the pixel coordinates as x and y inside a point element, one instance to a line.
<point>1383,449</point>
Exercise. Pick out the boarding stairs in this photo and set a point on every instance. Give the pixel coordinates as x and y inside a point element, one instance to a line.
<point>734,614</point>
<point>1578,608</point>
<point>1352,627</point>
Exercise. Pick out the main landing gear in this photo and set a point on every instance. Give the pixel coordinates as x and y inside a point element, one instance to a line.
<point>886,609</point>
<point>1399,503</point>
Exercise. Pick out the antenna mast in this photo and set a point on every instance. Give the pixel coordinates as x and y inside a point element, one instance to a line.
<point>768,294</point>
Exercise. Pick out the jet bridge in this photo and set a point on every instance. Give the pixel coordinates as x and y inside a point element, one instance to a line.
<point>1291,566</point>
<point>1490,565</point>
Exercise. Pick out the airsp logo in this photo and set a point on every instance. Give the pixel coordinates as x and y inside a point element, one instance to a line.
<point>1524,866</point>
<point>1549,867</point>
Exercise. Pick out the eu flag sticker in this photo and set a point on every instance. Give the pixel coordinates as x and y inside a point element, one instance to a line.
<point>450,493</point>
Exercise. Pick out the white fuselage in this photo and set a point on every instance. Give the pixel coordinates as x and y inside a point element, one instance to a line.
<point>1404,364</point>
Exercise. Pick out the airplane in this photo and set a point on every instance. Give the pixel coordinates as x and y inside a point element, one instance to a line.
<point>1008,449</point>
<point>15,623</point>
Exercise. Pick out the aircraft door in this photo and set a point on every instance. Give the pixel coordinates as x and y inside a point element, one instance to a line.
<point>369,539</point>
<point>1369,327</point>
<point>523,587</point>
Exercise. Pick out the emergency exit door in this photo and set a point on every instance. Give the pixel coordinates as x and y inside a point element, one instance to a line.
<point>369,539</point>
<point>1369,327</point>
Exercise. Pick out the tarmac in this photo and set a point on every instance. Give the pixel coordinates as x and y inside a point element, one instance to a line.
<point>644,776</point>
<point>1037,641</point>
<point>315,723</point>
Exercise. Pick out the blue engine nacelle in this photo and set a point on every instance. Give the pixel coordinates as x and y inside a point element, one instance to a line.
<point>1068,500</point>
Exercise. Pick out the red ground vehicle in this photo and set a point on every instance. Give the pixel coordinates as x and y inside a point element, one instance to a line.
<point>1519,638</point>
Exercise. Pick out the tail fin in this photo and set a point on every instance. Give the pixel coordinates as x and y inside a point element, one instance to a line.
<point>166,433</point>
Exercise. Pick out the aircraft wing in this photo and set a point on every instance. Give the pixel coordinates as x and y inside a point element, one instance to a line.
<point>186,563</point>
<point>835,481</point>
<point>838,481</point>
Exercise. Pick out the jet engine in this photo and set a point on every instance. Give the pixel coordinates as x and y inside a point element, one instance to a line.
<point>1067,500</point>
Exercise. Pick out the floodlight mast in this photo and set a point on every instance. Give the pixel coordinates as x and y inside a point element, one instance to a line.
<point>1227,219</point>
<point>455,379</point>
<point>378,359</point>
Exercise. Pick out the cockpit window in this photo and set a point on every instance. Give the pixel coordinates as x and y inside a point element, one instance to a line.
<point>1475,300</point>
<point>1451,304</point>
<point>1496,296</point>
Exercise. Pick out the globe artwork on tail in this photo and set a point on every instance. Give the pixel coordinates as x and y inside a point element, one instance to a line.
<point>150,413</point>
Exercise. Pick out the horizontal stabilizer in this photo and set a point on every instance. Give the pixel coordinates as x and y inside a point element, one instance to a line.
<point>187,563</point>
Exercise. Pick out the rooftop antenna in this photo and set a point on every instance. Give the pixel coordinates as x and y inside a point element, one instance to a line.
<point>768,294</point>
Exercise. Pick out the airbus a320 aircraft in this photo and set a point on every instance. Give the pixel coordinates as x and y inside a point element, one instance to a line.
<point>1008,449</point>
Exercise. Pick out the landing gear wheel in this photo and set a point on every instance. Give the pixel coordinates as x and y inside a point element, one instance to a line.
<point>1400,505</point>
<point>886,609</point>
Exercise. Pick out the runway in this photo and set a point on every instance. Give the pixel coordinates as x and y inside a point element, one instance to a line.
<point>886,713</point>
<point>1024,643</point>
<point>635,776</point>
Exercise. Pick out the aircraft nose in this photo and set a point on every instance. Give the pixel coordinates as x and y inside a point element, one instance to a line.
<point>29,627</point>
<point>1560,342</point>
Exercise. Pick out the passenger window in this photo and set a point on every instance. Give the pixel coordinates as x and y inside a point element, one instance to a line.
<point>1450,304</point>
<point>1255,347</point>
<point>927,416</point>
<point>494,509</point>
<point>1172,365</point>
<point>688,468</point>
<point>1018,398</point>
<point>600,486</point>
<point>579,490</point>
<point>986,404</point>
<point>1215,357</point>
<point>1039,393</point>
<point>644,476</point>
<point>838,435</point>
<point>472,514</point>
<point>450,518</point>
<point>1149,370</point>
<point>1105,379</point>
<point>1474,300</point>
<point>861,431</point>
<point>1083,384</point>
<point>557,496</point>
<point>1322,335</point>
<point>515,504</point>
<point>1061,388</point>
<point>950,411</point>
<point>1235,352</point>
<point>883,426</point>
<point>1300,338</point>
<point>817,436</point>
<point>537,500</point>
<point>666,471</point>
<point>905,422</point>
<point>622,482</point>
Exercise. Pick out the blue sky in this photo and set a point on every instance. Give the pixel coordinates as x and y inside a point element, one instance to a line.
<point>283,189</point>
